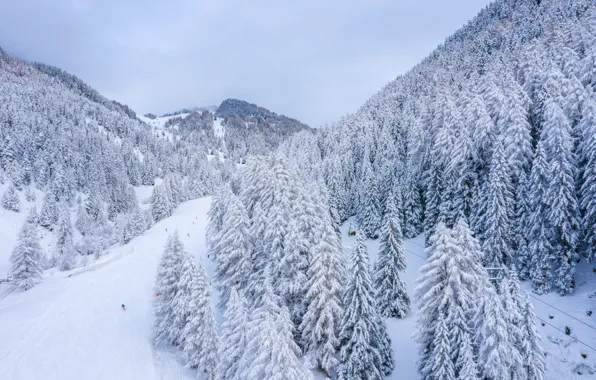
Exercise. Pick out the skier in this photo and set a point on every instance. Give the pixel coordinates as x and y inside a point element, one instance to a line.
<point>123,307</point>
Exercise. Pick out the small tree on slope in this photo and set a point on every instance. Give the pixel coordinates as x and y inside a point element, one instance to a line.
<point>391,295</point>
<point>530,347</point>
<point>168,278</point>
<point>233,336</point>
<point>364,351</point>
<point>319,328</point>
<point>27,258</point>
<point>161,207</point>
<point>65,254</point>
<point>200,337</point>
<point>10,199</point>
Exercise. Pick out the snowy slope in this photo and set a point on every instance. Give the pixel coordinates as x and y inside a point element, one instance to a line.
<point>71,326</point>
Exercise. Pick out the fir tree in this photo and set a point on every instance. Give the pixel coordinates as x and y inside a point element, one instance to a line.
<point>233,337</point>
<point>200,332</point>
<point>64,255</point>
<point>49,212</point>
<point>324,284</point>
<point>10,199</point>
<point>495,236</point>
<point>233,263</point>
<point>391,295</point>
<point>27,258</point>
<point>540,249</point>
<point>161,207</point>
<point>370,213</point>
<point>561,196</point>
<point>530,347</point>
<point>271,352</point>
<point>588,187</point>
<point>361,359</point>
<point>494,345</point>
<point>168,278</point>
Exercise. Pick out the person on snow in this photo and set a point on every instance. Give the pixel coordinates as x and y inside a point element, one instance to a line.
<point>123,307</point>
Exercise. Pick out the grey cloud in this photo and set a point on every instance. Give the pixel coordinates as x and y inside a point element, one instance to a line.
<point>312,60</point>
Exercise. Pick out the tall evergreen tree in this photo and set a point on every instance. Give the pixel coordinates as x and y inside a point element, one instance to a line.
<point>200,337</point>
<point>588,187</point>
<point>391,295</point>
<point>64,255</point>
<point>361,358</point>
<point>168,277</point>
<point>541,252</point>
<point>27,258</point>
<point>530,347</point>
<point>233,262</point>
<point>233,336</point>
<point>495,235</point>
<point>319,326</point>
<point>561,196</point>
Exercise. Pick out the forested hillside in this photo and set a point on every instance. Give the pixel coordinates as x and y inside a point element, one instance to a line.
<point>498,125</point>
<point>86,154</point>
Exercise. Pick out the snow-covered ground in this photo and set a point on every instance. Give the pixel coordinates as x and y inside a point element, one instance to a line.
<point>71,325</point>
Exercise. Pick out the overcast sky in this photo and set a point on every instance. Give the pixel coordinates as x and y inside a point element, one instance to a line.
<point>314,60</point>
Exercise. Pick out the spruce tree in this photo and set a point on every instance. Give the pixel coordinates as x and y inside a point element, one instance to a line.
<point>161,207</point>
<point>168,277</point>
<point>513,306</point>
<point>391,295</point>
<point>495,225</point>
<point>588,187</point>
<point>319,326</point>
<point>370,210</point>
<point>540,249</point>
<point>10,199</point>
<point>492,338</point>
<point>271,352</point>
<point>412,221</point>
<point>531,350</point>
<point>561,196</point>
<point>200,337</point>
<point>233,262</point>
<point>360,359</point>
<point>233,336</point>
<point>27,258</point>
<point>48,215</point>
<point>64,256</point>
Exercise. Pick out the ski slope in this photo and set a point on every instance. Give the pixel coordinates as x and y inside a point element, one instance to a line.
<point>71,325</point>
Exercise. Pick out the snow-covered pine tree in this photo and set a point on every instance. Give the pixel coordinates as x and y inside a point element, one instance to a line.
<point>370,211</point>
<point>530,346</point>
<point>27,258</point>
<point>492,338</point>
<point>135,225</point>
<point>440,356</point>
<point>521,221</point>
<point>360,359</point>
<point>561,196</point>
<point>64,255</point>
<point>161,207</point>
<point>451,283</point>
<point>513,307</point>
<point>541,252</point>
<point>48,215</point>
<point>199,335</point>
<point>169,272</point>
<point>10,199</point>
<point>233,262</point>
<point>412,221</point>
<point>233,336</point>
<point>391,295</point>
<point>319,326</point>
<point>495,225</point>
<point>293,266</point>
<point>215,218</point>
<point>271,352</point>
<point>588,188</point>
<point>30,193</point>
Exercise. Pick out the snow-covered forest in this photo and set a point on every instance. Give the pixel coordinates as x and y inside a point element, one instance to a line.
<point>259,248</point>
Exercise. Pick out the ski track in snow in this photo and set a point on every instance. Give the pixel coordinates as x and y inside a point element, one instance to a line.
<point>71,325</point>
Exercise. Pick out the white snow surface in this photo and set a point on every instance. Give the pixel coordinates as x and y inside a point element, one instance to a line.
<point>71,326</point>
